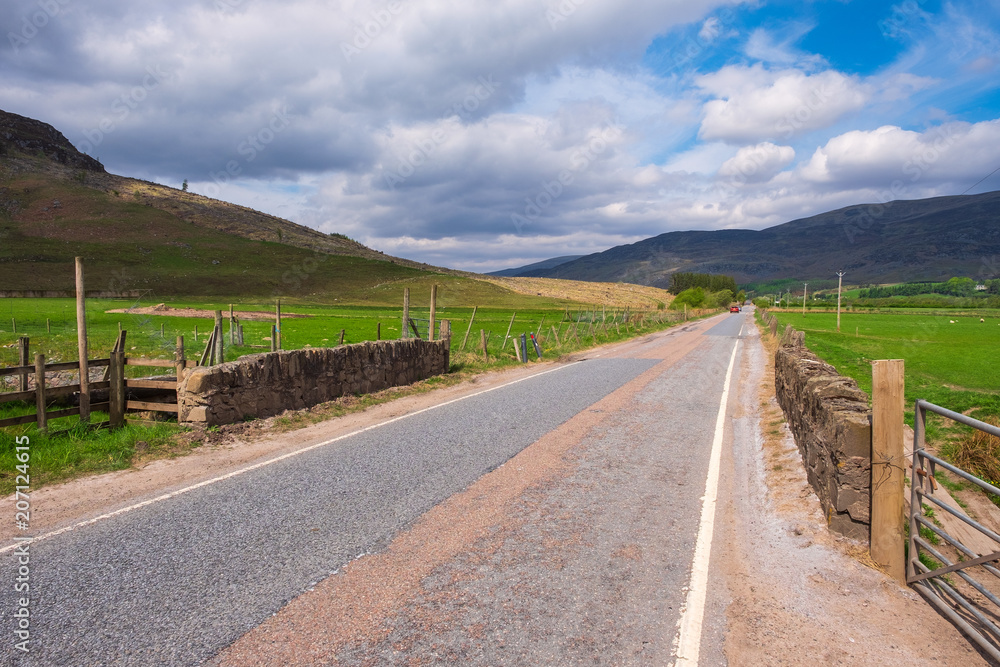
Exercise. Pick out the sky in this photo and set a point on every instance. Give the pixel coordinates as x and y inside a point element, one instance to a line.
<point>484,135</point>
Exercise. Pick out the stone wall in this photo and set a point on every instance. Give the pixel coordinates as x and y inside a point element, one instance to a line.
<point>831,421</point>
<point>263,385</point>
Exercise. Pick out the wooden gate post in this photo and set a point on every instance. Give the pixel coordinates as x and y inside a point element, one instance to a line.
<point>888,464</point>
<point>81,334</point>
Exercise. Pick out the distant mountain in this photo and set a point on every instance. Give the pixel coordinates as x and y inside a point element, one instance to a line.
<point>528,270</point>
<point>925,239</point>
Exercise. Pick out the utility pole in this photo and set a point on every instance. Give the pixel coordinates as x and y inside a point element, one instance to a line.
<point>805,288</point>
<point>840,283</point>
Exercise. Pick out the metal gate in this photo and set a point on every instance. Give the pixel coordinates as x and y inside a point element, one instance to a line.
<point>972,603</point>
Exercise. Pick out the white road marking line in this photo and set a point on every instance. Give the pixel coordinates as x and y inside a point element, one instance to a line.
<point>264,464</point>
<point>688,642</point>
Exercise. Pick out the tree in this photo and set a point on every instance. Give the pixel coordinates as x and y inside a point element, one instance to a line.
<point>184,185</point>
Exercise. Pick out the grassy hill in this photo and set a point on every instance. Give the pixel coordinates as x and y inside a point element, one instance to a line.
<point>143,238</point>
<point>928,239</point>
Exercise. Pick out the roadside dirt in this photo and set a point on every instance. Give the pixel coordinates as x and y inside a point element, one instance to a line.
<point>801,595</point>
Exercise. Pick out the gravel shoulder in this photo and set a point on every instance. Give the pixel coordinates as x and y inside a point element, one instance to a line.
<point>799,594</point>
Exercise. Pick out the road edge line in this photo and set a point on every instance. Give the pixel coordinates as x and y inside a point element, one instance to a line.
<point>687,645</point>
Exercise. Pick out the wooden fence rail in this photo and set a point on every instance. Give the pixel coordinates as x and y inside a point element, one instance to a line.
<point>118,386</point>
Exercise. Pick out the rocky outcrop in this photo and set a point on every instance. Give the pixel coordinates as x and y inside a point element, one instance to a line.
<point>27,135</point>
<point>831,421</point>
<point>263,385</point>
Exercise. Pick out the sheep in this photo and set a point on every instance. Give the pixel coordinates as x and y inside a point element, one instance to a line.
<point>951,321</point>
<point>981,319</point>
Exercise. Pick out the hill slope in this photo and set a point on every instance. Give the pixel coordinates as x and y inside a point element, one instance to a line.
<point>927,239</point>
<point>139,237</point>
<point>56,204</point>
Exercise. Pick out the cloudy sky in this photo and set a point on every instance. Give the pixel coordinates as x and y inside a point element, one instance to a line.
<point>485,134</point>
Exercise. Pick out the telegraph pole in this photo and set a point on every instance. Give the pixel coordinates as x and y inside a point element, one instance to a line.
<point>840,282</point>
<point>805,288</point>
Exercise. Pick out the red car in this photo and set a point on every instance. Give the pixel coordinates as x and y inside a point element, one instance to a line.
<point>734,309</point>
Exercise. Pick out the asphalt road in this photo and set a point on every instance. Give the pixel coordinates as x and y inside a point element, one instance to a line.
<point>175,582</point>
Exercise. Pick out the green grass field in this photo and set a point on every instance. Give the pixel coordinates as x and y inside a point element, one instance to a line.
<point>950,359</point>
<point>74,450</point>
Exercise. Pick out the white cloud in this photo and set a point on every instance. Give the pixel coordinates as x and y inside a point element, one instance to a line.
<point>394,139</point>
<point>759,104</point>
<point>947,157</point>
<point>757,164</point>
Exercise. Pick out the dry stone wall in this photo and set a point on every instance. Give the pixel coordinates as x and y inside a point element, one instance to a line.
<point>831,421</point>
<point>263,385</point>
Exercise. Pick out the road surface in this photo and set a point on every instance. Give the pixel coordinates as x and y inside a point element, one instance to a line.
<point>549,520</point>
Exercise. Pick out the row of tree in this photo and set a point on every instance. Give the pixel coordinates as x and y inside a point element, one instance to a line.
<point>953,287</point>
<point>709,282</point>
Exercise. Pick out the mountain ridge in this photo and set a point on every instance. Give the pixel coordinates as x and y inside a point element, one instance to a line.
<point>923,239</point>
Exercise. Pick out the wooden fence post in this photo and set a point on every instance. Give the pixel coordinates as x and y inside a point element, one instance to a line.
<point>469,328</point>
<point>220,349</point>
<point>43,425</point>
<point>116,400</point>
<point>23,359</point>
<point>406,313</point>
<point>342,332</point>
<point>507,335</point>
<point>482,338</point>
<point>888,464</point>
<point>378,331</point>
<point>276,338</point>
<point>433,316</point>
<point>180,361</point>
<point>82,347</point>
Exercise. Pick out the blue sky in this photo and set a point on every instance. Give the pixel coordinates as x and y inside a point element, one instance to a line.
<point>481,135</point>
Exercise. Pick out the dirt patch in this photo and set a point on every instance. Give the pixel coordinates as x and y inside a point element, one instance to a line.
<point>168,311</point>
<point>612,295</point>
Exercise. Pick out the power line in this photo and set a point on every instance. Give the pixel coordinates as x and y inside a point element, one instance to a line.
<point>982,179</point>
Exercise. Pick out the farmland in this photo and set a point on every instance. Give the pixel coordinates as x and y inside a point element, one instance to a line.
<point>51,326</point>
<point>950,359</point>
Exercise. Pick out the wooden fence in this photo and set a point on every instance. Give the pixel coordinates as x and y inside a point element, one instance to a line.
<point>124,394</point>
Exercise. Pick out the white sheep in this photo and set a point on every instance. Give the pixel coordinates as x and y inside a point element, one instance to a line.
<point>951,321</point>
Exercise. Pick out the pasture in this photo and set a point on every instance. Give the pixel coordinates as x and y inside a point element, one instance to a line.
<point>951,359</point>
<point>51,326</point>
